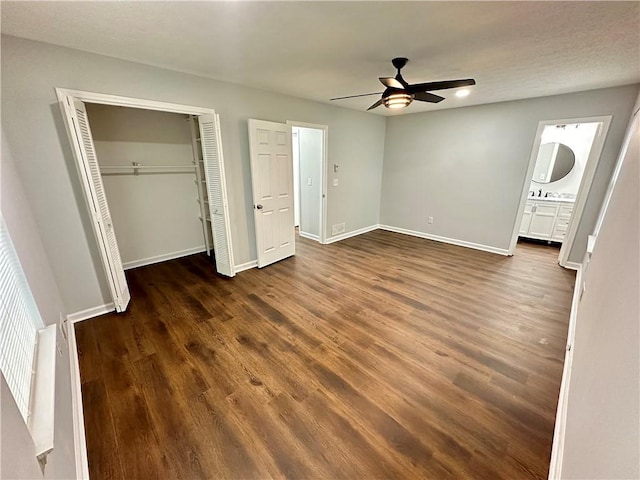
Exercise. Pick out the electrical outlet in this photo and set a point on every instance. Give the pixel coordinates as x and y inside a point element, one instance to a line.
<point>63,323</point>
<point>430,220</point>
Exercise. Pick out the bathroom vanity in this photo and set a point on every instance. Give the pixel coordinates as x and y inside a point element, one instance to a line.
<point>546,218</point>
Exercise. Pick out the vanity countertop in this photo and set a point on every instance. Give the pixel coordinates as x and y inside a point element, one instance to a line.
<point>552,199</point>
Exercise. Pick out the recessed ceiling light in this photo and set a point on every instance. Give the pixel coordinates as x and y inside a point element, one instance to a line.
<point>462,93</point>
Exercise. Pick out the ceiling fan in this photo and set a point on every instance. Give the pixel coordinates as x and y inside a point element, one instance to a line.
<point>400,94</point>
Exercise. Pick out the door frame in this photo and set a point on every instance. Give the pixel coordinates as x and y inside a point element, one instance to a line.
<point>585,183</point>
<point>323,172</point>
<point>67,96</point>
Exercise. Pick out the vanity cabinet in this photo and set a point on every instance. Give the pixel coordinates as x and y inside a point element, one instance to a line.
<point>546,219</point>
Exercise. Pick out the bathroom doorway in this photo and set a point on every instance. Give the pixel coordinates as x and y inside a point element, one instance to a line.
<point>309,142</point>
<point>562,164</point>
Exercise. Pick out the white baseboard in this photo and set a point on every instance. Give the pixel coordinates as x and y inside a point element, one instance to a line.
<point>245,266</point>
<point>79,439</point>
<point>163,258</point>
<point>91,312</point>
<point>309,236</point>
<point>353,233</point>
<point>572,265</point>
<point>557,448</point>
<point>452,241</point>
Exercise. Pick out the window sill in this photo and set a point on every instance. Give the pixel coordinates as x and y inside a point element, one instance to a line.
<point>41,420</point>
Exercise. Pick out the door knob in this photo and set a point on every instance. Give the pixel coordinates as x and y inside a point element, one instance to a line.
<point>259,207</point>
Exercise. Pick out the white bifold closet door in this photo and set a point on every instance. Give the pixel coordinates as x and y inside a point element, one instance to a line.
<point>216,192</point>
<point>91,180</point>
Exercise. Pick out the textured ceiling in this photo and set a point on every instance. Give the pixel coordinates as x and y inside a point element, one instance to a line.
<point>320,50</point>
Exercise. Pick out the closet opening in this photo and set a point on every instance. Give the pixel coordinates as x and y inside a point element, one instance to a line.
<point>152,183</point>
<point>153,177</point>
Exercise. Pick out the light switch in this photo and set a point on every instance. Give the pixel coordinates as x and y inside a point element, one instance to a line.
<point>309,181</point>
<point>335,182</point>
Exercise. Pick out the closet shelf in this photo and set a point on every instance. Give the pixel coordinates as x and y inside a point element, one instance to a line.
<point>136,168</point>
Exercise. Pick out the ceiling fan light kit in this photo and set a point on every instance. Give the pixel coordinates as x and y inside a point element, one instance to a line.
<point>399,94</point>
<point>398,100</point>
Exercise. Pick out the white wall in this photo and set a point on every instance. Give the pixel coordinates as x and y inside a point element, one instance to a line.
<point>17,452</point>
<point>579,138</point>
<point>466,167</point>
<point>602,437</point>
<point>35,132</point>
<point>310,141</point>
<point>153,214</point>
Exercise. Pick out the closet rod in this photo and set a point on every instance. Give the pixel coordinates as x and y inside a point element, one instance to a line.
<point>144,167</point>
<point>136,167</point>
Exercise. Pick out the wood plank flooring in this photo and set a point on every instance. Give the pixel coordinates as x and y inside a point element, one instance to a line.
<point>381,356</point>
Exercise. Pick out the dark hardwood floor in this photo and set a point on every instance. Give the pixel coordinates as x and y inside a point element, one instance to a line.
<point>381,356</point>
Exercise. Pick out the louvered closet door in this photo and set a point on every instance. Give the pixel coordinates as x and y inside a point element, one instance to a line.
<point>94,192</point>
<point>216,192</point>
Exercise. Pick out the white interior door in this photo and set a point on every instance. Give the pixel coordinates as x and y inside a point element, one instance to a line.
<point>216,193</point>
<point>84,152</point>
<point>272,180</point>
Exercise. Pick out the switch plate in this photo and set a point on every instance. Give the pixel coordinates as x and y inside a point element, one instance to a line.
<point>309,181</point>
<point>335,182</point>
<point>430,220</point>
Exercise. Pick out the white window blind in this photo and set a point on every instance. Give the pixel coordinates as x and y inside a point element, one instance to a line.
<point>20,322</point>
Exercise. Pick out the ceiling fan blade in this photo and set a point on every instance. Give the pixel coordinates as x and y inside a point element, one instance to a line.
<point>375,105</point>
<point>428,97</point>
<point>355,96</point>
<point>391,82</point>
<point>429,86</point>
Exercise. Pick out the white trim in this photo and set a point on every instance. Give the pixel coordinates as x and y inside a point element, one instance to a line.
<point>585,184</point>
<point>322,238</point>
<point>353,233</point>
<point>451,241</point>
<point>42,417</point>
<point>557,448</point>
<point>106,99</point>
<point>80,443</point>
<point>246,266</point>
<point>309,236</point>
<point>615,175</point>
<point>526,185</point>
<point>91,312</point>
<point>572,265</point>
<point>164,257</point>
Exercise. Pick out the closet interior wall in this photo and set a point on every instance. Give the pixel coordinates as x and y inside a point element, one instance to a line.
<point>156,209</point>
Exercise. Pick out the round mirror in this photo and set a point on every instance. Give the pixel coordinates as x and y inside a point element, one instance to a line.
<point>555,161</point>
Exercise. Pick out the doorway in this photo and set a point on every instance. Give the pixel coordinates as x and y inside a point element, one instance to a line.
<point>562,164</point>
<point>73,107</point>
<point>309,146</point>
